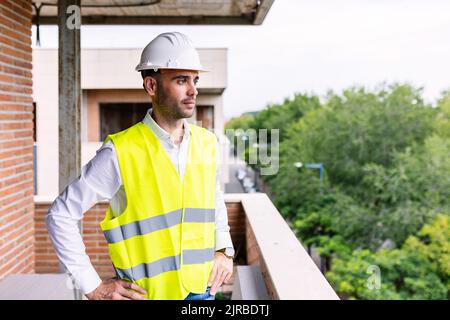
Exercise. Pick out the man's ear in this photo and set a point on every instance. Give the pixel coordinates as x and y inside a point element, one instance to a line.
<point>150,86</point>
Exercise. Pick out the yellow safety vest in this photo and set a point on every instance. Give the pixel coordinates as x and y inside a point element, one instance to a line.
<point>164,239</point>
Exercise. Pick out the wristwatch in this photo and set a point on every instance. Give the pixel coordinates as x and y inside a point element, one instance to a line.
<point>227,252</point>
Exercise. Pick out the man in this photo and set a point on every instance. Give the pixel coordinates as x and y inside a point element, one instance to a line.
<point>166,226</point>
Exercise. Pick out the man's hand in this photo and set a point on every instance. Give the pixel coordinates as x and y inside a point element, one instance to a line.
<point>221,272</point>
<point>116,289</point>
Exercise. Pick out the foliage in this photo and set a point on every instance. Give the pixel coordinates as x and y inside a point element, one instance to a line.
<point>420,269</point>
<point>379,152</point>
<point>387,164</point>
<point>283,116</point>
<point>442,123</point>
<point>243,122</point>
<point>358,128</point>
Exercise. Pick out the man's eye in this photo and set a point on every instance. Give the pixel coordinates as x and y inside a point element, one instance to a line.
<point>181,81</point>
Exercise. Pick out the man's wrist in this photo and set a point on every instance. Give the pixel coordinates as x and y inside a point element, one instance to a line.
<point>88,281</point>
<point>227,252</point>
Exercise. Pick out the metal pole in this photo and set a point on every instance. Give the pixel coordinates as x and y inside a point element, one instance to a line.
<point>322,264</point>
<point>321,177</point>
<point>69,97</point>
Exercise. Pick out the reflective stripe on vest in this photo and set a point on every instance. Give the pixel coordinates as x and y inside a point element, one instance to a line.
<point>139,228</point>
<point>164,239</point>
<point>166,264</point>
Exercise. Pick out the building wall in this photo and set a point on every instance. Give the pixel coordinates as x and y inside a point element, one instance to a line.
<point>16,139</point>
<point>96,246</point>
<point>45,94</point>
<point>115,68</point>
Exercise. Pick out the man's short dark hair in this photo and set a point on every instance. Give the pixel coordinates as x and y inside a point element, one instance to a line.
<point>149,73</point>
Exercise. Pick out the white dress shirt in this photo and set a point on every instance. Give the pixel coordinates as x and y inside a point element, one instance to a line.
<point>100,180</point>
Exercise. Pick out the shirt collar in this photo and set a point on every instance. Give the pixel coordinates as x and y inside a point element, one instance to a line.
<point>160,132</point>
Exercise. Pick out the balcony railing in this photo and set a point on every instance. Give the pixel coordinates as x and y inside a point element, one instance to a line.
<point>267,241</point>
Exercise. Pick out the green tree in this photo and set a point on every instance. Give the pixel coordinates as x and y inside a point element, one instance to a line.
<point>276,116</point>
<point>386,159</point>
<point>442,123</point>
<point>243,122</point>
<point>282,116</point>
<point>358,128</point>
<point>361,137</point>
<point>418,270</point>
<point>411,192</point>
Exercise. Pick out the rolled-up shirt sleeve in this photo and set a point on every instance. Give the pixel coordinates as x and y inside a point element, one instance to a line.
<point>99,180</point>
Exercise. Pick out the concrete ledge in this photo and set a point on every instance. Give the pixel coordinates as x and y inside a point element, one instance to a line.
<point>289,272</point>
<point>249,284</point>
<point>36,287</point>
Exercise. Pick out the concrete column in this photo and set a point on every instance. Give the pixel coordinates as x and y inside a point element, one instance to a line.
<point>69,23</point>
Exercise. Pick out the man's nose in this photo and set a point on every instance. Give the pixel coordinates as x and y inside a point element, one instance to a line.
<point>192,91</point>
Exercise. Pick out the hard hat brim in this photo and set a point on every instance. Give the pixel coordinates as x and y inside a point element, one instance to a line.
<point>139,68</point>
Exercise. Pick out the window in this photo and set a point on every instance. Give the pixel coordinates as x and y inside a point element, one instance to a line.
<point>115,117</point>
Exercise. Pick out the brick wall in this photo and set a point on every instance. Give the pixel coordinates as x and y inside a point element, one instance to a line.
<point>96,247</point>
<point>236,221</point>
<point>16,139</point>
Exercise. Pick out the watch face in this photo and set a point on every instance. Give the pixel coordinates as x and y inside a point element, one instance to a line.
<point>229,252</point>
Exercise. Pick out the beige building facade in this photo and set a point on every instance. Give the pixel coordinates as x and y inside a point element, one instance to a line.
<point>112,100</point>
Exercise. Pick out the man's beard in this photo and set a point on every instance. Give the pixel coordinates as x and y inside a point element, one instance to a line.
<point>170,106</point>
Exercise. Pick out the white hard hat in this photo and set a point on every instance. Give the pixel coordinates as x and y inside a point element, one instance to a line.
<point>170,50</point>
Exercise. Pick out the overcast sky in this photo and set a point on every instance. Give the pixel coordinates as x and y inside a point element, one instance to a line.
<point>312,46</point>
